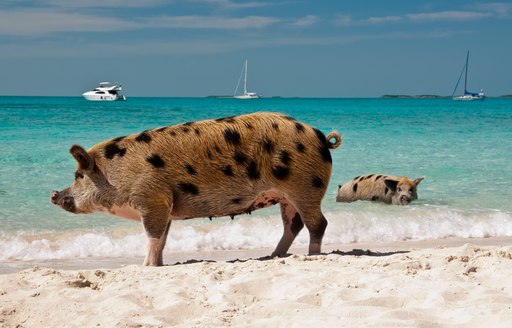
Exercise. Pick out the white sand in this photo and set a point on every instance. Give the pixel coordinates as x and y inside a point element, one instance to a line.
<point>460,284</point>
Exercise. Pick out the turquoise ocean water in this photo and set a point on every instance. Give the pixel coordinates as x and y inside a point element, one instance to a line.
<point>464,150</point>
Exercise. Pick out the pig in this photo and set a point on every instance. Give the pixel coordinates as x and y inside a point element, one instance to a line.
<point>378,187</point>
<point>212,168</point>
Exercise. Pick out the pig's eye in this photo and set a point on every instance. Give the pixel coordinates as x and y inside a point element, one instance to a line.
<point>399,189</point>
<point>78,175</point>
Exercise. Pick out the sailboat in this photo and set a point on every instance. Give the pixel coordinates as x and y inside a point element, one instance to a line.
<point>467,94</point>
<point>245,95</point>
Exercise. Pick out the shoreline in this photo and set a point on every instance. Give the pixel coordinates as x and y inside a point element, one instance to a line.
<point>442,283</point>
<point>172,258</point>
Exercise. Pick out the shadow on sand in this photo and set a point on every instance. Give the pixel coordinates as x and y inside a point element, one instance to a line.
<point>354,252</point>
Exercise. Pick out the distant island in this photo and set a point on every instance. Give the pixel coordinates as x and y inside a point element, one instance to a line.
<point>430,96</point>
<point>416,96</point>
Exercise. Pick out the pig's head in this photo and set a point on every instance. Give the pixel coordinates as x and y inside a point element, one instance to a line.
<point>403,190</point>
<point>89,192</point>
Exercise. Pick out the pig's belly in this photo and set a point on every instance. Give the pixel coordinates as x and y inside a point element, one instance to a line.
<point>125,212</point>
<point>264,199</point>
<point>189,210</point>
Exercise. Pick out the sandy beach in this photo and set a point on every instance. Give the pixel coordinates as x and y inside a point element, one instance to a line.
<point>437,283</point>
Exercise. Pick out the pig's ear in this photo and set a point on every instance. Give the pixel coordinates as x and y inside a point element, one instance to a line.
<point>391,184</point>
<point>417,181</point>
<point>85,161</point>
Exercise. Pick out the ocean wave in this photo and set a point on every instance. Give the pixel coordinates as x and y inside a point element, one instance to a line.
<point>358,222</point>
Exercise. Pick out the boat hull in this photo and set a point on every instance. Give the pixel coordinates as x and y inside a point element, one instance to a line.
<point>247,97</point>
<point>103,97</point>
<point>469,97</point>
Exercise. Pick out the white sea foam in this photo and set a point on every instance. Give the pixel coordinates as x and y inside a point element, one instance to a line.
<point>360,222</point>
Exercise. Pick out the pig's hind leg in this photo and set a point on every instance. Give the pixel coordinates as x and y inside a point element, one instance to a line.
<point>292,223</point>
<point>311,214</point>
<point>316,224</point>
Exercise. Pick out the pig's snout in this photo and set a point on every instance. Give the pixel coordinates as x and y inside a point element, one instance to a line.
<point>405,199</point>
<point>64,200</point>
<point>54,197</point>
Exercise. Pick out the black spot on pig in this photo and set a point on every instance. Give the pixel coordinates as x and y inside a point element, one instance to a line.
<point>324,146</point>
<point>227,170</point>
<point>112,149</point>
<point>281,172</point>
<point>188,188</point>
<point>236,200</point>
<point>229,119</point>
<point>268,145</point>
<point>297,224</point>
<point>252,171</point>
<point>232,137</point>
<point>285,158</point>
<point>156,161</point>
<point>300,147</point>
<point>239,157</point>
<point>317,182</point>
<point>354,187</point>
<point>143,137</point>
<point>299,127</point>
<point>190,169</point>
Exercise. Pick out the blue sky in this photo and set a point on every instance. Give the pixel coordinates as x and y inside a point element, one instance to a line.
<point>294,48</point>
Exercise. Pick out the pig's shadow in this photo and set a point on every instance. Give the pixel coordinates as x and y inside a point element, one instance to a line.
<point>354,252</point>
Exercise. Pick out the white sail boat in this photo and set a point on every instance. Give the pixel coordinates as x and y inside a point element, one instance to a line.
<point>245,95</point>
<point>467,94</point>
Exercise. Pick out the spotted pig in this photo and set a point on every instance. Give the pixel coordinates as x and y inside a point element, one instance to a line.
<point>377,187</point>
<point>212,168</point>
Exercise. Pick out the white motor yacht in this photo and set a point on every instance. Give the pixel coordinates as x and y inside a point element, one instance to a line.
<point>106,91</point>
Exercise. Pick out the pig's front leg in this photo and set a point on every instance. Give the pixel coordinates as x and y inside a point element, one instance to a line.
<point>156,222</point>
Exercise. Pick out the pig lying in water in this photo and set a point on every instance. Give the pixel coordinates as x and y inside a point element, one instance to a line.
<point>377,187</point>
<point>212,168</point>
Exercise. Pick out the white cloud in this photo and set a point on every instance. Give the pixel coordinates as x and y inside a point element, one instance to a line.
<point>31,22</point>
<point>66,4</point>
<point>195,46</point>
<point>232,5</point>
<point>305,21</point>
<point>38,22</point>
<point>384,19</point>
<point>343,20</point>
<point>206,22</point>
<point>447,16</point>
<point>499,8</point>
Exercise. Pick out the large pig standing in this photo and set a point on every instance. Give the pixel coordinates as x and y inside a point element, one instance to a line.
<point>212,168</point>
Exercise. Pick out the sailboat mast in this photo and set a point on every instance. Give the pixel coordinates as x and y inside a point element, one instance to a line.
<point>245,78</point>
<point>466,75</point>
